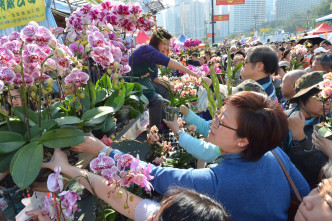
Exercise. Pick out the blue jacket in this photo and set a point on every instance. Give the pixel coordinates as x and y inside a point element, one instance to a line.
<point>248,190</point>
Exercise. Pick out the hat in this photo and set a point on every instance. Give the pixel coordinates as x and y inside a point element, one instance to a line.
<point>320,49</point>
<point>306,83</point>
<point>284,64</point>
<point>249,85</point>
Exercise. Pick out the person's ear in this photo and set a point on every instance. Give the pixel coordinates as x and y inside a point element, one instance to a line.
<point>242,143</point>
<point>260,66</point>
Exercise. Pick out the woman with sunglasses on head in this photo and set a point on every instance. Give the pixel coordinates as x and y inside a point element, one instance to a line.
<point>248,179</point>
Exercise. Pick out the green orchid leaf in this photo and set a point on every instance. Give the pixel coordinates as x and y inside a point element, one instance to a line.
<point>143,99</point>
<point>26,163</point>
<point>5,161</point>
<point>100,95</point>
<point>117,99</point>
<point>68,120</point>
<point>63,137</point>
<point>97,112</point>
<point>215,83</point>
<point>325,132</point>
<point>94,121</point>
<point>10,141</point>
<point>104,82</point>
<point>45,125</point>
<point>91,92</point>
<point>33,117</point>
<point>108,124</point>
<point>129,88</point>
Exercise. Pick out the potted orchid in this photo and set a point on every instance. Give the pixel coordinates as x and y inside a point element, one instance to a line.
<point>34,61</point>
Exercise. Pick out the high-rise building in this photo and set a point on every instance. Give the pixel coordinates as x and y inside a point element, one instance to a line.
<point>248,16</point>
<point>285,8</point>
<point>270,10</point>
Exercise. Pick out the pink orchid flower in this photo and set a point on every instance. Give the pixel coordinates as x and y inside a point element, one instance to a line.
<point>77,76</point>
<point>111,174</point>
<point>69,202</point>
<point>50,207</point>
<point>124,161</point>
<point>7,75</point>
<point>103,56</point>
<point>102,162</point>
<point>55,180</point>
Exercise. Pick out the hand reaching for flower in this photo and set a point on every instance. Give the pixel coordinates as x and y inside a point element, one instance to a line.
<point>322,144</point>
<point>173,125</point>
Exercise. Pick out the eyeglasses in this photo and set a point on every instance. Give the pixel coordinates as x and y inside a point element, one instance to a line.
<point>246,62</point>
<point>16,97</point>
<point>217,123</point>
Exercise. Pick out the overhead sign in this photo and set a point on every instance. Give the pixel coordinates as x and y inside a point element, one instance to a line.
<point>230,2</point>
<point>209,35</point>
<point>20,12</point>
<point>221,17</point>
<point>264,30</point>
<point>300,29</point>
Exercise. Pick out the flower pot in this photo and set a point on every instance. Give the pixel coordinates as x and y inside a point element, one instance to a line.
<point>170,111</point>
<point>123,113</point>
<point>324,130</point>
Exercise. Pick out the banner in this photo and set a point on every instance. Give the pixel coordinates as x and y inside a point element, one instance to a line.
<point>209,35</point>
<point>331,7</point>
<point>230,2</point>
<point>221,17</point>
<point>264,30</point>
<point>19,12</point>
<point>300,29</point>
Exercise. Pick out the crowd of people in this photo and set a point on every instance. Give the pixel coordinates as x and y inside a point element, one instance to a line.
<point>244,141</point>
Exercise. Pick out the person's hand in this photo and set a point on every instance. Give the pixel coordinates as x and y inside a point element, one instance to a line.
<point>296,123</point>
<point>173,125</point>
<point>184,110</point>
<point>37,215</point>
<point>91,145</point>
<point>59,158</point>
<point>146,75</point>
<point>322,144</point>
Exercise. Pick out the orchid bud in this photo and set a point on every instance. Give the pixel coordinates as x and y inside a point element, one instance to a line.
<point>131,198</point>
<point>33,94</point>
<point>50,82</point>
<point>116,65</point>
<point>53,43</point>
<point>44,91</point>
<point>33,87</point>
<point>60,52</point>
<point>119,194</point>
<point>125,206</point>
<point>109,71</point>
<point>82,95</point>
<point>17,68</point>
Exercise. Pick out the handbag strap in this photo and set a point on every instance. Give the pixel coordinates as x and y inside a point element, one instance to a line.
<point>297,194</point>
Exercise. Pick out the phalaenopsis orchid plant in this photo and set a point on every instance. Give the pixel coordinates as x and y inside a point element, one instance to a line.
<point>34,62</point>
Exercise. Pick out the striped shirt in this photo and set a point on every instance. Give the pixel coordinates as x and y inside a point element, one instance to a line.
<point>267,84</point>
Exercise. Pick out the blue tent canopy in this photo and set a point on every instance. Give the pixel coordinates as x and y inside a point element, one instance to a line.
<point>182,38</point>
<point>325,18</point>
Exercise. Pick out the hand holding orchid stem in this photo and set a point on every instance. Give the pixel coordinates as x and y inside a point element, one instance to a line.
<point>173,125</point>
<point>114,176</point>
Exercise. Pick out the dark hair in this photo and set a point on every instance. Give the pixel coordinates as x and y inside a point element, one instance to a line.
<point>267,56</point>
<point>284,55</point>
<point>208,53</point>
<point>325,42</point>
<point>325,60</point>
<point>182,204</point>
<point>282,49</point>
<point>241,53</point>
<point>159,36</point>
<point>195,55</point>
<point>261,120</point>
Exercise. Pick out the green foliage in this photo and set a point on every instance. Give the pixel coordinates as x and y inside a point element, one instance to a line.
<point>296,64</point>
<point>26,163</point>
<point>175,100</point>
<point>10,141</point>
<point>63,137</point>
